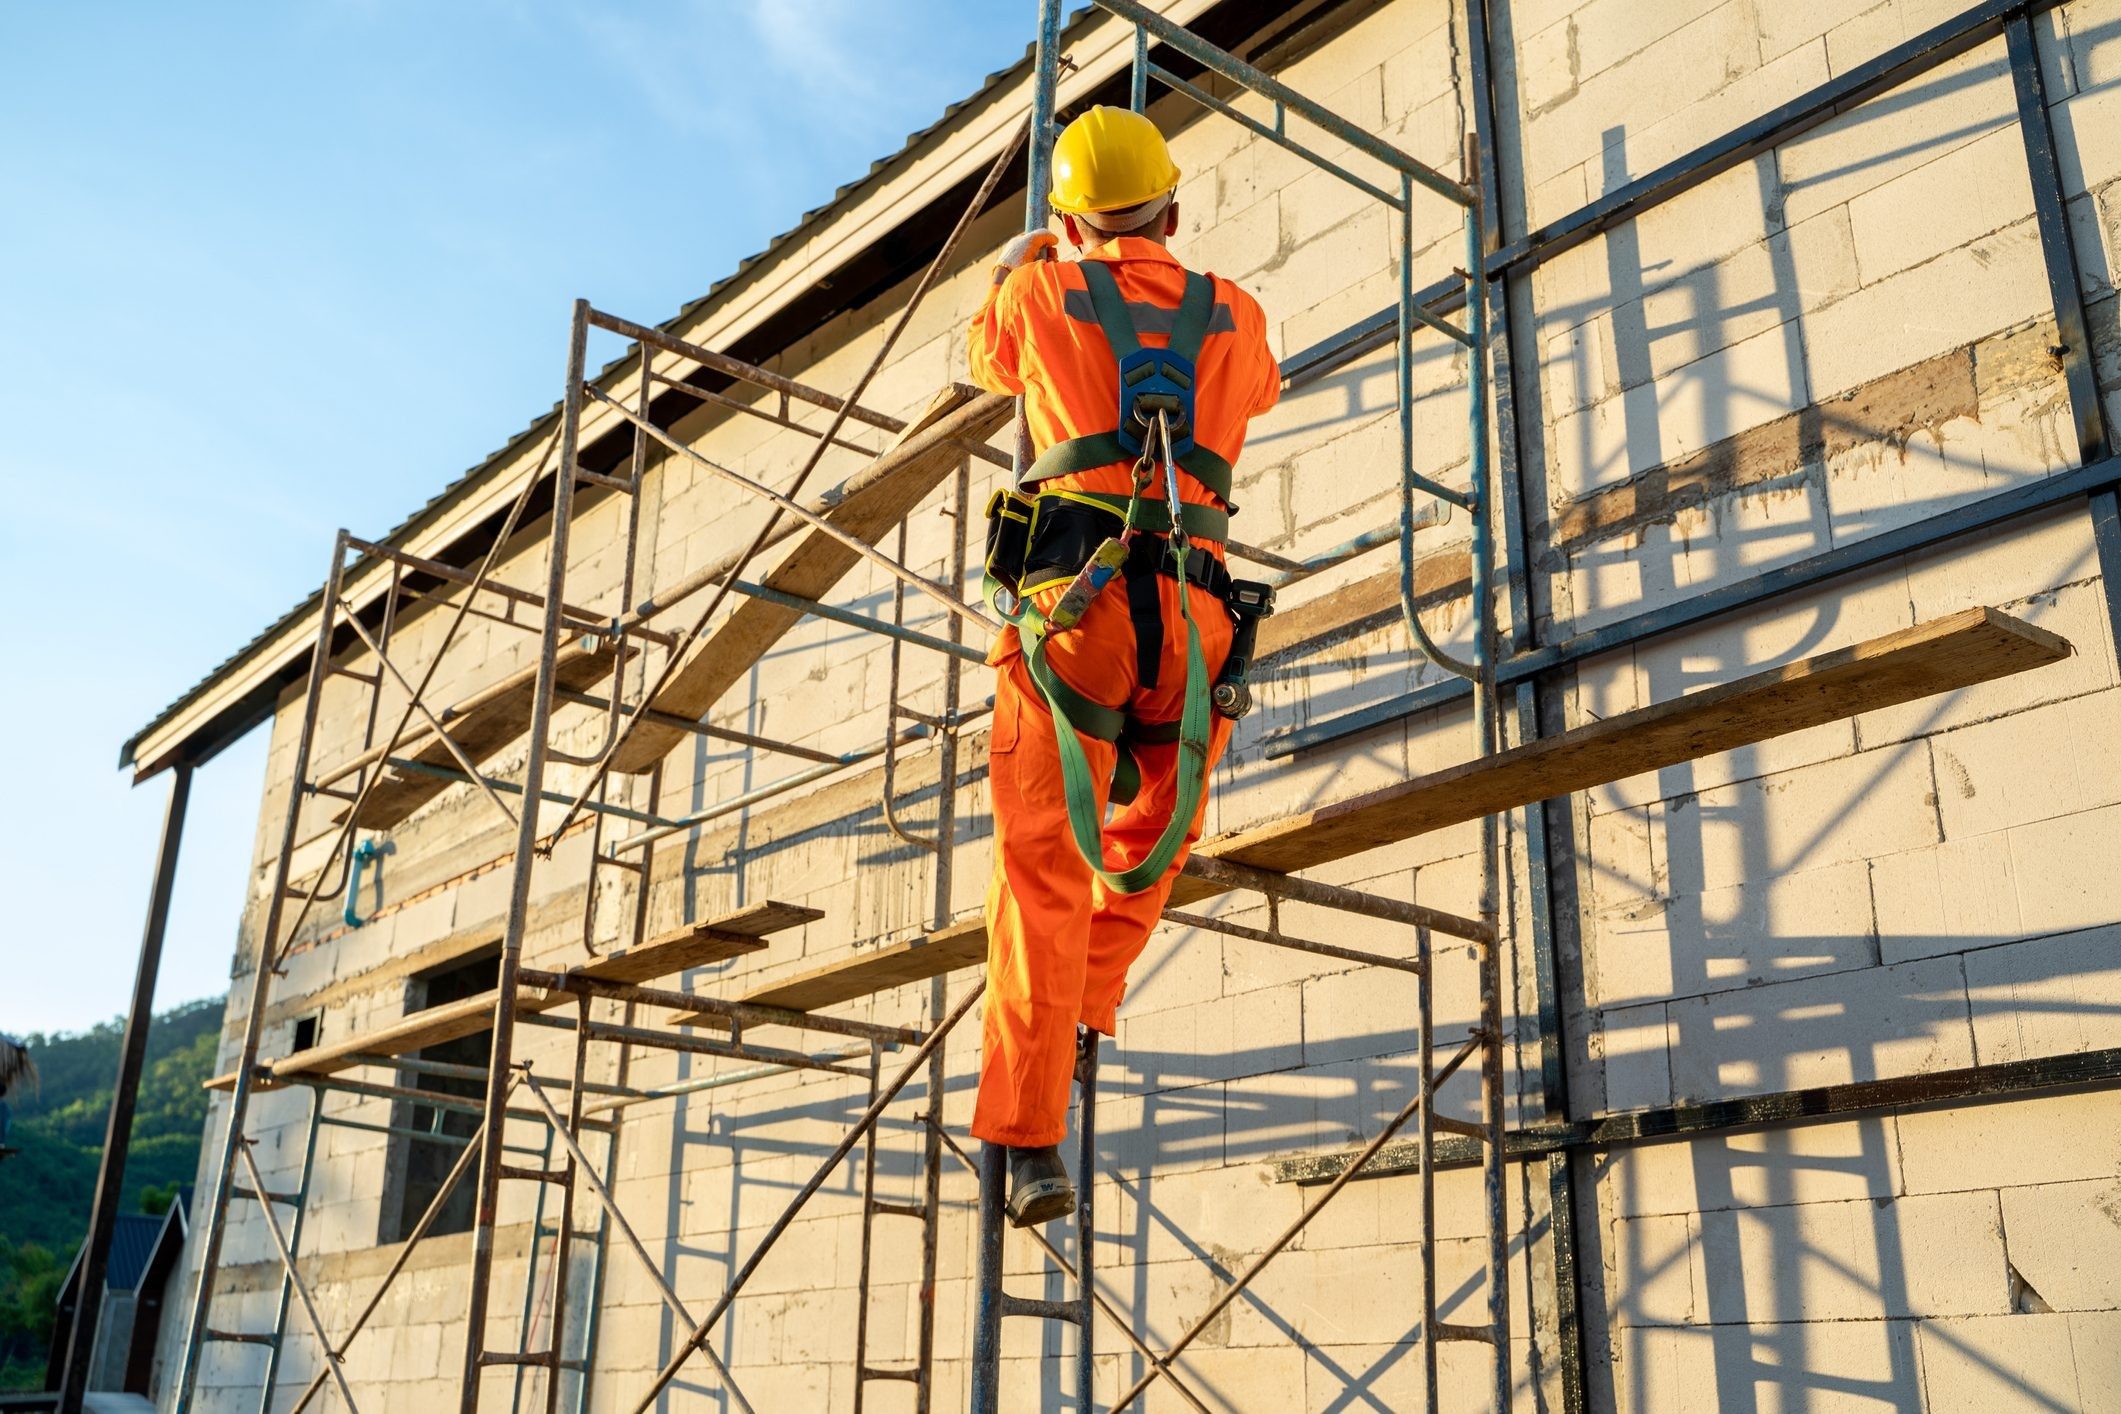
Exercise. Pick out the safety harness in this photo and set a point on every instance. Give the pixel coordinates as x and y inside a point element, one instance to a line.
<point>1040,539</point>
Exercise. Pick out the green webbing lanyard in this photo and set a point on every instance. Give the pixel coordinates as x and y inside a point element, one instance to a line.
<point>1080,714</point>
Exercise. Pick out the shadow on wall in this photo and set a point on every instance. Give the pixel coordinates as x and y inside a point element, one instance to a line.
<point>1745,1290</point>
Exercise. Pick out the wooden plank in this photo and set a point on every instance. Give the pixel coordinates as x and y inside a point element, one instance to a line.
<point>697,944</point>
<point>870,503</point>
<point>484,725</point>
<point>962,944</point>
<point>727,936</point>
<point>431,1027</point>
<point>1945,655</point>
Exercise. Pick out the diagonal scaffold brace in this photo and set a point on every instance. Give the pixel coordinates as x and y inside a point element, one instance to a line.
<point>861,1127</point>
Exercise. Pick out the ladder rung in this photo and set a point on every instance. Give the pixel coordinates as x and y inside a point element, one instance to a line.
<point>911,1375</point>
<point>598,478</point>
<point>1043,1310</point>
<point>561,1176</point>
<point>579,1234</point>
<point>898,1210</point>
<point>292,1200</point>
<point>542,1359</point>
<point>242,1337</point>
<point>1466,1127</point>
<point>1480,1334</point>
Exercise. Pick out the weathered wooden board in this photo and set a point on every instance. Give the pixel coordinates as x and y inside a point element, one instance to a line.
<point>878,969</point>
<point>672,952</point>
<point>870,503</point>
<point>1944,655</point>
<point>483,724</point>
<point>1973,646</point>
<point>697,944</point>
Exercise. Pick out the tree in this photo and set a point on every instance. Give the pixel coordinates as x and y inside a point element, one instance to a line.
<point>46,1188</point>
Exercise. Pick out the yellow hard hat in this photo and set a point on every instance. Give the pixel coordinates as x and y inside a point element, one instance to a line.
<point>1110,159</point>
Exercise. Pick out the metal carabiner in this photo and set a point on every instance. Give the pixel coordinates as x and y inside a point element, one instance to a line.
<point>1179,545</point>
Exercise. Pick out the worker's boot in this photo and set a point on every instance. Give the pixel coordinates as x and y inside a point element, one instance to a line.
<point>1039,1188</point>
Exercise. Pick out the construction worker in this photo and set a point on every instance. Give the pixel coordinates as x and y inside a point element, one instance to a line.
<point>1079,341</point>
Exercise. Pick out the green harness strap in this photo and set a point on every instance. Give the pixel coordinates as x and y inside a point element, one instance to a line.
<point>1093,719</point>
<point>1088,453</point>
<point>1085,821</point>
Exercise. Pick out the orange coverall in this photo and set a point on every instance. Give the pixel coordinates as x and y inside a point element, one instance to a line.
<point>1060,942</point>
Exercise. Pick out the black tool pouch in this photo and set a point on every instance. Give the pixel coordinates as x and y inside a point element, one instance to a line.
<point>1064,535</point>
<point>1249,601</point>
<point>1009,514</point>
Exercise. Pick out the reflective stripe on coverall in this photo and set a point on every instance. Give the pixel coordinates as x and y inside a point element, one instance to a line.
<point>1059,942</point>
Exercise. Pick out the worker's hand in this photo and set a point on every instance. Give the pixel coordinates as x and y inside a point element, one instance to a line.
<point>1022,250</point>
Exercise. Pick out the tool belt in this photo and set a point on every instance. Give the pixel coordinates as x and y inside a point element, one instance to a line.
<point>1039,543</point>
<point>1037,538</point>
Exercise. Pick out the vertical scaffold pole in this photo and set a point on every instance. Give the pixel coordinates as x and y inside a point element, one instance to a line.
<point>868,1244</point>
<point>277,1351</point>
<point>1138,87</point>
<point>942,909</point>
<point>1425,1150</point>
<point>491,1151</point>
<point>1486,730</point>
<point>994,1165</point>
<point>267,958</point>
<point>1086,1225</point>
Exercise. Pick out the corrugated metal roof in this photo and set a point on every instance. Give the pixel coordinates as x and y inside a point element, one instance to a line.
<point>130,1243</point>
<point>994,82</point>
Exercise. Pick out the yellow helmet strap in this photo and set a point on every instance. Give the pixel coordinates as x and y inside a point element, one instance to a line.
<point>1130,219</point>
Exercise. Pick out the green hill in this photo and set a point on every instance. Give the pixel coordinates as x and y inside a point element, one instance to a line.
<point>46,1188</point>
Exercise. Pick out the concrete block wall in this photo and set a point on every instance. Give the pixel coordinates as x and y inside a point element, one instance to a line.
<point>1903,1260</point>
<point>1846,334</point>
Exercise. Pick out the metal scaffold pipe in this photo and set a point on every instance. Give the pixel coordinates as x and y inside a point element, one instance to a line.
<point>525,861</point>
<point>785,500</point>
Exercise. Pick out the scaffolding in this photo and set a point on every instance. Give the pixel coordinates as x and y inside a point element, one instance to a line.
<point>585,657</point>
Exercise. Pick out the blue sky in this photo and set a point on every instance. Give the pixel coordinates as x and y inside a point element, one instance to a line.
<point>268,270</point>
